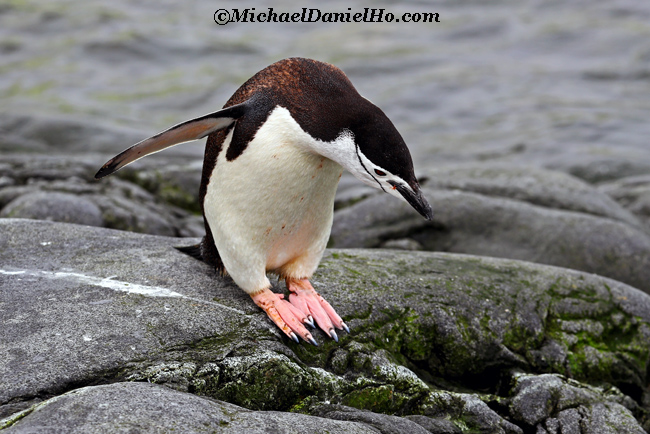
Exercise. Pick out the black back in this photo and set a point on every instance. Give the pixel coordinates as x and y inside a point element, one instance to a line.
<point>323,102</point>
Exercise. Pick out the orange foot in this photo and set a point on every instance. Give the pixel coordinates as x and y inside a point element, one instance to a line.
<point>309,302</point>
<point>286,316</point>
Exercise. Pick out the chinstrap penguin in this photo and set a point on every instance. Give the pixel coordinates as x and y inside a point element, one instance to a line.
<point>273,160</point>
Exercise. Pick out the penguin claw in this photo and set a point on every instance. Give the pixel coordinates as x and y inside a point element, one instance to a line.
<point>288,318</point>
<point>307,300</point>
<point>313,342</point>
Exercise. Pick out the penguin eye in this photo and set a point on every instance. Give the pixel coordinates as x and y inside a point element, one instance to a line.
<point>380,173</point>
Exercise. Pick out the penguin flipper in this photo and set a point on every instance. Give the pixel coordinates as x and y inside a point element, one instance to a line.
<point>193,129</point>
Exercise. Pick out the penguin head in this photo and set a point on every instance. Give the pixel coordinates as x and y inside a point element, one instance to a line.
<point>384,161</point>
<point>370,147</point>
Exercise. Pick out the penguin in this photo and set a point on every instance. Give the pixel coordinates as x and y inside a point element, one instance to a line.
<point>273,159</point>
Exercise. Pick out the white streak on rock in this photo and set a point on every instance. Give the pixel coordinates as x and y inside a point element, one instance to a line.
<point>108,282</point>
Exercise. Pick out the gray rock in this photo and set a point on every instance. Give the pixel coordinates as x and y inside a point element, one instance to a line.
<point>633,193</point>
<point>435,425</point>
<point>150,206</point>
<point>9,193</point>
<point>526,183</point>
<point>599,164</point>
<point>552,403</point>
<point>385,424</point>
<point>402,244</point>
<point>508,212</point>
<point>24,168</point>
<point>569,421</point>
<point>111,409</point>
<point>471,409</point>
<point>351,191</point>
<point>92,306</point>
<point>170,180</point>
<point>62,134</point>
<point>129,215</point>
<point>5,181</point>
<point>59,207</point>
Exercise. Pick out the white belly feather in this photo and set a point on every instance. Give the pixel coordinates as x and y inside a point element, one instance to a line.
<point>271,208</point>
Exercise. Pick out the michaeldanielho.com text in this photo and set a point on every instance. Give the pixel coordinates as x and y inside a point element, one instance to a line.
<point>313,15</point>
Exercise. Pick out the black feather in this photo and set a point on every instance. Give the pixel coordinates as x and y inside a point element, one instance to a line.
<point>194,251</point>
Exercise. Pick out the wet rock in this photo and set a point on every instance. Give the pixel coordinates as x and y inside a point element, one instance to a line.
<point>143,407</point>
<point>511,212</point>
<point>471,409</point>
<point>166,179</point>
<point>64,189</point>
<point>434,335</point>
<point>546,188</point>
<point>58,207</point>
<point>5,181</point>
<point>402,244</point>
<point>385,424</point>
<point>62,134</point>
<point>550,403</point>
<point>351,191</point>
<point>122,213</point>
<point>632,193</point>
<point>435,425</point>
<point>599,164</point>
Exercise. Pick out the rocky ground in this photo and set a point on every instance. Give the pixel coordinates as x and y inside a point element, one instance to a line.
<point>111,331</point>
<point>497,208</point>
<point>101,326</point>
<point>97,320</point>
<point>523,306</point>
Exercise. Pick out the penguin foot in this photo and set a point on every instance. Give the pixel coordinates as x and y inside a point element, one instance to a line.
<point>286,316</point>
<point>304,297</point>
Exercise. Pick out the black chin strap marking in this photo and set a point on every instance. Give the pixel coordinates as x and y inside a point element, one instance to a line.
<point>366,169</point>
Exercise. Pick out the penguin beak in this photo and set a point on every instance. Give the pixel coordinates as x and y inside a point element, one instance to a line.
<point>415,198</point>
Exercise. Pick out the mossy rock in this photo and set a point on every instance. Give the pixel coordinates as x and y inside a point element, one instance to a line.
<point>441,336</point>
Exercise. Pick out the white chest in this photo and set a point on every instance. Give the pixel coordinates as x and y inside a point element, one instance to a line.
<point>272,206</point>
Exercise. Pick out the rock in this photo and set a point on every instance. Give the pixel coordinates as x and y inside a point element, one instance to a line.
<point>402,244</point>
<point>38,185</point>
<point>58,207</point>
<point>632,193</point>
<point>510,212</point>
<point>174,183</point>
<point>65,134</point>
<point>384,423</point>
<point>25,168</point>
<point>351,191</point>
<point>435,425</point>
<point>597,164</point>
<point>547,402</point>
<point>526,183</point>
<point>5,181</point>
<point>434,337</point>
<point>75,135</point>
<point>122,213</point>
<point>110,409</point>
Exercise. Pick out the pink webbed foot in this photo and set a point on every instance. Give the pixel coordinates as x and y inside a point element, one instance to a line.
<point>307,300</point>
<point>286,316</point>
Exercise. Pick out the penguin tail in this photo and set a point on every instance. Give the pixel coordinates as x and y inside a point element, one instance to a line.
<point>194,251</point>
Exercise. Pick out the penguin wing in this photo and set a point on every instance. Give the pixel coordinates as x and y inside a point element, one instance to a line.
<point>193,129</point>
